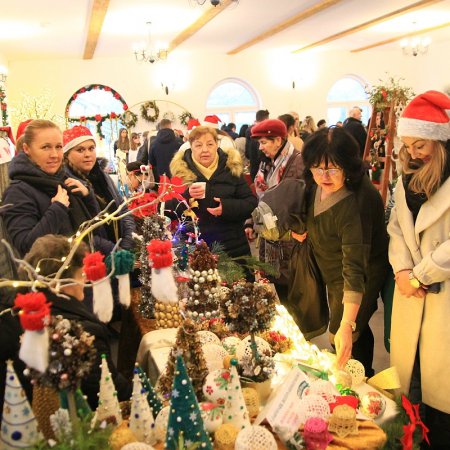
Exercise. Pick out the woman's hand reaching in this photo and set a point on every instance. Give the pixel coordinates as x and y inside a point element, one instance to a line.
<point>61,197</point>
<point>343,343</point>
<point>299,237</point>
<point>77,186</point>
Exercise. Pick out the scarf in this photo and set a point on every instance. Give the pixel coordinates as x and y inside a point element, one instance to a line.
<point>78,212</point>
<point>207,172</point>
<point>271,172</point>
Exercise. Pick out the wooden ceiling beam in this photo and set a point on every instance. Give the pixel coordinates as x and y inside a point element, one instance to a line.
<point>309,12</point>
<point>208,15</point>
<point>402,36</point>
<point>407,9</point>
<point>98,13</point>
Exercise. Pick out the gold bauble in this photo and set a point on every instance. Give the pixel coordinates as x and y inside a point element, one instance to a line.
<point>225,437</point>
<point>251,399</point>
<point>121,436</point>
<point>227,361</point>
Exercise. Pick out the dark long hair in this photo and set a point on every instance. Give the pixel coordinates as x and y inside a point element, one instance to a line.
<point>334,145</point>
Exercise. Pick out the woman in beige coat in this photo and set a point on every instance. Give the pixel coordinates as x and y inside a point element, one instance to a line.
<point>419,252</point>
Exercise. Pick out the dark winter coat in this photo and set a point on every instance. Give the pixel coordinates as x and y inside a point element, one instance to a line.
<point>228,184</point>
<point>252,153</point>
<point>357,130</point>
<point>127,225</point>
<point>72,309</point>
<point>31,213</point>
<point>162,151</point>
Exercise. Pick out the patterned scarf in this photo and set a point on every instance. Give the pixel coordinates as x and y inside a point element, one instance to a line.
<point>270,171</point>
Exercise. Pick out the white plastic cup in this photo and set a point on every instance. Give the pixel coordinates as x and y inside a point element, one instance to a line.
<point>201,184</point>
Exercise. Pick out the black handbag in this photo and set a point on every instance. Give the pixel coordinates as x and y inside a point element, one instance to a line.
<point>307,297</point>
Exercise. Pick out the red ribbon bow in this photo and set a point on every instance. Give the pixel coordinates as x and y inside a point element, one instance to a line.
<point>414,417</point>
<point>35,311</point>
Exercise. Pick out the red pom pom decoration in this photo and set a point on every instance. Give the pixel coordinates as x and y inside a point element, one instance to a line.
<point>160,253</point>
<point>94,267</point>
<point>35,311</point>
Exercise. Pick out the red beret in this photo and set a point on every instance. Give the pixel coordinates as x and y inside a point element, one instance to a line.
<point>269,128</point>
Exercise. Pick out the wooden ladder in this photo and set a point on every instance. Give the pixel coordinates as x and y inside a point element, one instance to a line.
<point>385,136</point>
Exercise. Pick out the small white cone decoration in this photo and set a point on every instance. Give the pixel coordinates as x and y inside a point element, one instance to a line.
<point>164,288</point>
<point>141,418</point>
<point>235,410</point>
<point>108,404</point>
<point>19,426</point>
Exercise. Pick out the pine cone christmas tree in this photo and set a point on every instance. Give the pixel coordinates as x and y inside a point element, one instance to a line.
<point>152,228</point>
<point>204,287</point>
<point>188,345</point>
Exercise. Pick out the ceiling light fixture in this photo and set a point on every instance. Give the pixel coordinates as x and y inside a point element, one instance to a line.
<point>213,2</point>
<point>415,46</point>
<point>144,52</point>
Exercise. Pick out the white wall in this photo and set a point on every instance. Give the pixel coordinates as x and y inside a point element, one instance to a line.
<point>194,75</point>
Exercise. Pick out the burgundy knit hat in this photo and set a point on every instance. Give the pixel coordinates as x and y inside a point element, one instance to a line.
<point>269,128</point>
<point>74,136</point>
<point>426,117</point>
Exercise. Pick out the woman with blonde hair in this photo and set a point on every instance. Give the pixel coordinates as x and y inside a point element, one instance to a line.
<point>308,127</point>
<point>419,252</point>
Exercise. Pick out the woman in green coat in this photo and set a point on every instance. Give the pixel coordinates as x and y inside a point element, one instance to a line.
<point>346,230</point>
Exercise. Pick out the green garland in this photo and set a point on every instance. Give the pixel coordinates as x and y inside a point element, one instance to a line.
<point>388,92</point>
<point>129,119</point>
<point>3,107</point>
<point>184,117</point>
<point>145,111</point>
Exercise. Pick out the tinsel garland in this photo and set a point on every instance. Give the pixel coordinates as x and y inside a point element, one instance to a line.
<point>152,228</point>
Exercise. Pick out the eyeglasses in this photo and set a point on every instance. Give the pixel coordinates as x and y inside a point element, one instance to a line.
<point>320,171</point>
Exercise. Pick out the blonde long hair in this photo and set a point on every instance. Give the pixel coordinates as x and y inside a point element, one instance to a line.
<point>427,178</point>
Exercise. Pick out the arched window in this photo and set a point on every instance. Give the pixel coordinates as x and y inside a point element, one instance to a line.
<point>233,100</point>
<point>99,108</point>
<point>343,95</point>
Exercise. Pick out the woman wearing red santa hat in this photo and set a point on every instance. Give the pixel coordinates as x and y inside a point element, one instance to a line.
<point>81,161</point>
<point>41,198</point>
<point>419,252</point>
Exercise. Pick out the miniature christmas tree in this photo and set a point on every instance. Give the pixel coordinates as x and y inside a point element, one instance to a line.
<point>19,426</point>
<point>108,406</point>
<point>152,397</point>
<point>188,345</point>
<point>141,418</point>
<point>152,228</point>
<point>185,429</point>
<point>204,287</point>
<point>235,411</point>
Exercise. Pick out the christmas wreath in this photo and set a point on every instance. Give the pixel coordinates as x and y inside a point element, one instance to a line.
<point>146,107</point>
<point>129,119</point>
<point>184,117</point>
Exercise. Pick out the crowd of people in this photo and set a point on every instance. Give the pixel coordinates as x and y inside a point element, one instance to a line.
<point>57,184</point>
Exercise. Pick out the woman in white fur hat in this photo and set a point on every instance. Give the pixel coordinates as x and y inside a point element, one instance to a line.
<point>419,252</point>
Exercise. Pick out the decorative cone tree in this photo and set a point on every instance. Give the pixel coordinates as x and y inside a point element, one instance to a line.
<point>185,429</point>
<point>152,397</point>
<point>19,426</point>
<point>204,286</point>
<point>188,345</point>
<point>152,228</point>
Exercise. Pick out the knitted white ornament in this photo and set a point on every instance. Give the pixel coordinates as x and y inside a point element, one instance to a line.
<point>215,386</point>
<point>208,337</point>
<point>244,348</point>
<point>255,437</point>
<point>356,371</point>
<point>314,406</point>
<point>230,344</point>
<point>161,423</point>
<point>212,416</point>
<point>324,389</point>
<point>214,355</point>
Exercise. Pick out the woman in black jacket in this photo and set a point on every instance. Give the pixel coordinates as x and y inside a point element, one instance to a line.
<point>41,198</point>
<point>214,179</point>
<point>48,251</point>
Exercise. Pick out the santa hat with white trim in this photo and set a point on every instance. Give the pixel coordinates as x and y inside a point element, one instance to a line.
<point>75,136</point>
<point>211,121</point>
<point>426,117</point>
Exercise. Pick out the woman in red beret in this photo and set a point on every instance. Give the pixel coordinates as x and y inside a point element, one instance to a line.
<point>279,161</point>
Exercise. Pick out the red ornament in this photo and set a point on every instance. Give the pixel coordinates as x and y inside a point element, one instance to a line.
<point>125,106</point>
<point>107,89</point>
<point>82,90</point>
<point>113,115</point>
<point>83,119</point>
<point>94,267</point>
<point>384,94</point>
<point>160,253</point>
<point>98,117</point>
<point>35,311</point>
<point>4,106</point>
<point>415,421</point>
<point>117,95</point>
<point>74,96</point>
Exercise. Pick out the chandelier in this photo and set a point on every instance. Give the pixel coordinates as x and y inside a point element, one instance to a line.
<point>213,2</point>
<point>144,51</point>
<point>415,46</point>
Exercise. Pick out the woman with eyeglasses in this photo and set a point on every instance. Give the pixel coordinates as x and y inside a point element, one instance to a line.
<point>346,229</point>
<point>81,162</point>
<point>42,198</point>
